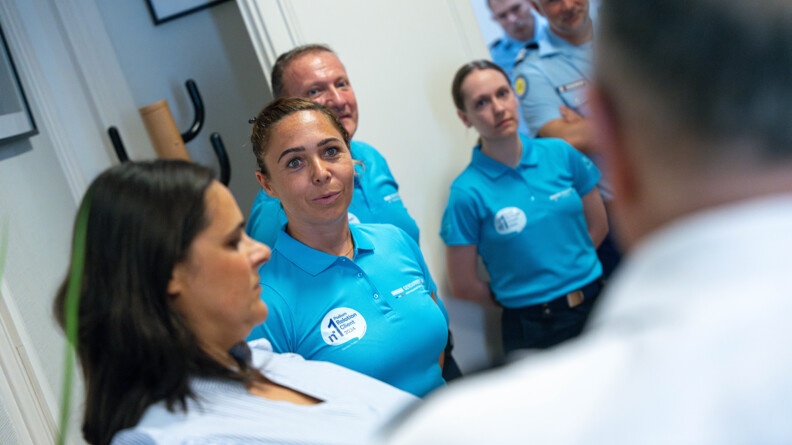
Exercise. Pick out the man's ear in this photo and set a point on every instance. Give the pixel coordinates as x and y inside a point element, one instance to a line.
<point>619,168</point>
<point>264,181</point>
<point>463,117</point>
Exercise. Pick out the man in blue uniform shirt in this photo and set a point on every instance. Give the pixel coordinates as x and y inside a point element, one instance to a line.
<point>552,76</point>
<point>551,81</point>
<point>521,25</point>
<point>315,72</point>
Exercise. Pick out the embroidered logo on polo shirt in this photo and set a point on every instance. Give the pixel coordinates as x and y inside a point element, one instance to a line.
<point>393,197</point>
<point>562,194</point>
<point>341,325</point>
<point>408,288</point>
<point>352,218</point>
<point>509,220</point>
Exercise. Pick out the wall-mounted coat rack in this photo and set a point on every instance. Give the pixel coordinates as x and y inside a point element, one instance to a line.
<point>187,136</point>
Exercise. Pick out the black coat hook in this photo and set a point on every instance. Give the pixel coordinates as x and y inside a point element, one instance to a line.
<point>222,157</point>
<point>115,138</point>
<point>190,134</point>
<point>198,107</point>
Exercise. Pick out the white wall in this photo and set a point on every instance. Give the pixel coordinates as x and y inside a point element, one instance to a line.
<point>40,179</point>
<point>490,30</point>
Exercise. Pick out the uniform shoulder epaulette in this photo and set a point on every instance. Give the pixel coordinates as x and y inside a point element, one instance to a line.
<point>530,46</point>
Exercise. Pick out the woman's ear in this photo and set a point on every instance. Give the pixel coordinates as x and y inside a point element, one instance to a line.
<point>463,117</point>
<point>176,282</point>
<point>264,181</point>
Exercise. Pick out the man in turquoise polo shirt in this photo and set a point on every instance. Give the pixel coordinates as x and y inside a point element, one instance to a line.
<point>315,72</point>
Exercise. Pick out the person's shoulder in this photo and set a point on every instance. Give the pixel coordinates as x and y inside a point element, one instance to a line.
<point>466,178</point>
<point>554,149</point>
<point>508,410</point>
<point>376,231</point>
<point>497,43</point>
<point>528,52</point>
<point>550,144</point>
<point>132,437</point>
<point>363,150</point>
<point>158,425</point>
<point>468,181</point>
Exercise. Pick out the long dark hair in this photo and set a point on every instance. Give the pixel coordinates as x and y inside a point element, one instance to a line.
<point>134,348</point>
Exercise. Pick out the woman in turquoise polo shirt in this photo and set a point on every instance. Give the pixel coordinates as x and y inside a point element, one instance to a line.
<point>531,210</point>
<point>357,295</point>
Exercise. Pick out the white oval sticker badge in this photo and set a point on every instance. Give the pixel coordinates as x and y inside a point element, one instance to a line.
<point>510,220</point>
<point>341,325</point>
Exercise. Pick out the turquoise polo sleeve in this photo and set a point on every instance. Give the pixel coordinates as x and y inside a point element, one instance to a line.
<point>266,219</point>
<point>461,224</point>
<point>585,174</point>
<point>377,198</point>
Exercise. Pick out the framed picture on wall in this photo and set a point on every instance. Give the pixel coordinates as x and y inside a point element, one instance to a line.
<point>166,10</point>
<point>16,121</point>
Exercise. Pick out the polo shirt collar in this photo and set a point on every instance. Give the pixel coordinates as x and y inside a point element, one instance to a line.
<point>494,169</point>
<point>313,261</point>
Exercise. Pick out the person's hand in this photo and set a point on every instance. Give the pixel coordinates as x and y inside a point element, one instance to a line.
<point>569,115</point>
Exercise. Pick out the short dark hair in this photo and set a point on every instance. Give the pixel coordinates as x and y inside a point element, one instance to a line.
<point>464,71</point>
<point>274,112</point>
<point>134,348</point>
<point>720,70</point>
<point>286,58</point>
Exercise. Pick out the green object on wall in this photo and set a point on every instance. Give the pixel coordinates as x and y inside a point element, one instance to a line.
<point>71,317</point>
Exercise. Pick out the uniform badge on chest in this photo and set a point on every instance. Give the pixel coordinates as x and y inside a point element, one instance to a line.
<point>509,220</point>
<point>342,325</point>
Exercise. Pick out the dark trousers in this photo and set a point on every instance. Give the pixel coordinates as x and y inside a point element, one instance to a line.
<point>544,325</point>
<point>451,369</point>
<point>609,255</point>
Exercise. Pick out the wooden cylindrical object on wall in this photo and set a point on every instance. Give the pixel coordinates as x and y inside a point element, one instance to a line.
<point>162,130</point>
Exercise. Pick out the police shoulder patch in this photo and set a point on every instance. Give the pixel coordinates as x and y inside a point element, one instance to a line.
<point>520,86</point>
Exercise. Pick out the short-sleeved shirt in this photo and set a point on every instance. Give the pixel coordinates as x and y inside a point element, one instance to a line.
<point>554,72</point>
<point>374,315</point>
<point>376,199</point>
<point>527,222</point>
